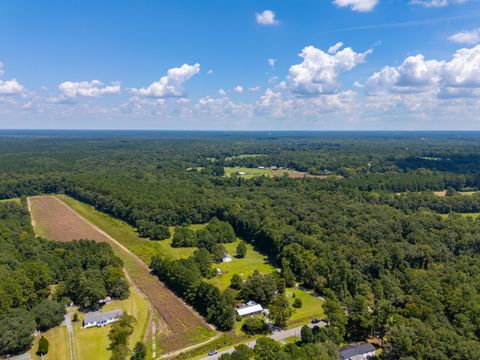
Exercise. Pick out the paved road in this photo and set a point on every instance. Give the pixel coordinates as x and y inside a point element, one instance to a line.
<point>277,336</point>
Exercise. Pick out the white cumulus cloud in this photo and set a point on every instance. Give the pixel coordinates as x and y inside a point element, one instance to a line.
<point>466,37</point>
<point>222,92</point>
<point>464,69</point>
<point>238,89</point>
<point>11,87</point>
<point>459,77</point>
<point>170,85</point>
<point>357,5</point>
<point>436,3</point>
<point>1,69</point>
<point>319,71</point>
<point>266,17</point>
<point>94,88</point>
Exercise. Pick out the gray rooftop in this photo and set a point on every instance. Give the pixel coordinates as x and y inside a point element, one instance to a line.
<point>98,316</point>
<point>351,350</point>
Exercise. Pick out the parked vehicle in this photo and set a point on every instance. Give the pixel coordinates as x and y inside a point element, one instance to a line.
<point>212,352</point>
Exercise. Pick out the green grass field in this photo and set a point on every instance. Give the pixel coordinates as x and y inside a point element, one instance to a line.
<point>253,172</point>
<point>465,215</point>
<point>58,344</point>
<point>244,156</point>
<point>92,343</point>
<point>17,200</point>
<point>243,267</point>
<point>126,234</point>
<point>312,307</point>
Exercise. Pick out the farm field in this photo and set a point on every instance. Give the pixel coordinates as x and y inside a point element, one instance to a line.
<point>57,221</point>
<point>243,267</point>
<point>58,344</point>
<point>127,235</point>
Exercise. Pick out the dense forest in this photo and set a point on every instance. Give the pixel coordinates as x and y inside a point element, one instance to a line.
<point>375,240</point>
<point>39,277</point>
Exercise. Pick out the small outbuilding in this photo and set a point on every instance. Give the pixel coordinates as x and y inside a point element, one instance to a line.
<point>357,351</point>
<point>227,258</point>
<point>100,319</point>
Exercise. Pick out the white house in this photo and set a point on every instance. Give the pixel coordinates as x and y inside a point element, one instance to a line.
<point>227,258</point>
<point>241,173</point>
<point>100,319</point>
<point>252,308</point>
<point>357,351</point>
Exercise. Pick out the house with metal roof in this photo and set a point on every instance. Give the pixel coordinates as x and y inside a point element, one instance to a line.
<point>252,308</point>
<point>357,351</point>
<point>99,318</point>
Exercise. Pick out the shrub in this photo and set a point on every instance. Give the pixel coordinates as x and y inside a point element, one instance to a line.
<point>42,346</point>
<point>255,325</point>
<point>297,303</point>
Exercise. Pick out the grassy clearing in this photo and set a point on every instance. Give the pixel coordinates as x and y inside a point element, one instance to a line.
<point>464,215</point>
<point>253,172</point>
<point>312,307</point>
<point>58,344</point>
<point>243,267</point>
<point>463,193</point>
<point>17,200</point>
<point>92,343</point>
<point>244,156</point>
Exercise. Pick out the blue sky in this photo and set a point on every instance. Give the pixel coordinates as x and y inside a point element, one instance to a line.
<point>364,64</point>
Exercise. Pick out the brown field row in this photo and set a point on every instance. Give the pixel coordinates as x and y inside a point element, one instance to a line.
<point>55,220</point>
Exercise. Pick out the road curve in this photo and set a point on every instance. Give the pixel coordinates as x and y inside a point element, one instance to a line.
<point>277,336</point>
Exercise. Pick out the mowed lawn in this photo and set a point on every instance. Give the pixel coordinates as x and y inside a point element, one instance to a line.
<point>127,235</point>
<point>58,344</point>
<point>92,343</point>
<point>243,267</point>
<point>312,307</point>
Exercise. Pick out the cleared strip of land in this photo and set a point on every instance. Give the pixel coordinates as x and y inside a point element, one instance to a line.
<point>55,220</point>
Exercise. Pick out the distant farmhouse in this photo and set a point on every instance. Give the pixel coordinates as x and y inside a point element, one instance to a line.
<point>357,351</point>
<point>227,258</point>
<point>99,318</point>
<point>250,309</point>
